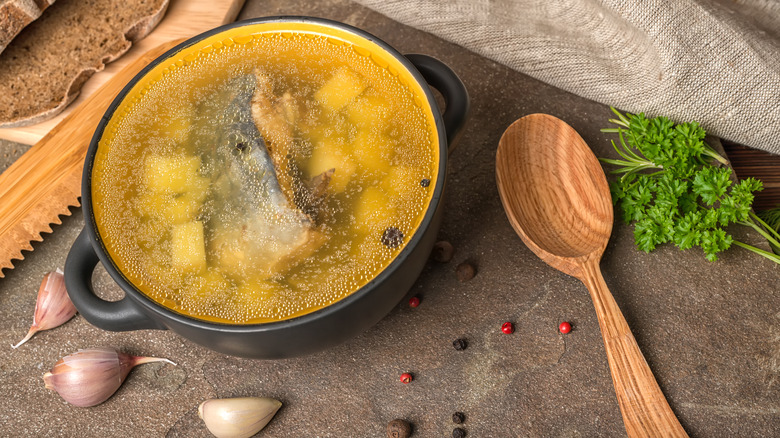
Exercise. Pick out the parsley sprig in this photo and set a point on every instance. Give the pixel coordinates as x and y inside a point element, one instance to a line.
<point>675,188</point>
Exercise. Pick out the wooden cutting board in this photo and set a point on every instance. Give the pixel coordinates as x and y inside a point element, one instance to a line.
<point>184,18</point>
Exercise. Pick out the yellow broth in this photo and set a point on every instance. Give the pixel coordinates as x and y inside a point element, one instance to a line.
<point>164,215</point>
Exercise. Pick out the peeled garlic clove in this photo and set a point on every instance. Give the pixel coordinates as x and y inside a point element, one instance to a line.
<point>239,417</point>
<point>89,377</point>
<point>53,307</point>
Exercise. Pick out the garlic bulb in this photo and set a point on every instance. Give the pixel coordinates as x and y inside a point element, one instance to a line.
<point>239,417</point>
<point>53,307</point>
<point>89,377</point>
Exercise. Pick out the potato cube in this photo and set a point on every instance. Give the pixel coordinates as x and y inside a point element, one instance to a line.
<point>181,209</point>
<point>340,89</point>
<point>373,211</point>
<point>316,133</point>
<point>168,207</point>
<point>228,247</point>
<point>188,247</point>
<point>329,154</point>
<point>372,151</point>
<point>369,111</point>
<point>209,288</point>
<point>170,173</point>
<point>333,128</point>
<point>401,181</point>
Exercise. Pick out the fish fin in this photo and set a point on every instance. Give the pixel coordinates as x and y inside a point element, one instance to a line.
<point>315,196</point>
<point>318,186</point>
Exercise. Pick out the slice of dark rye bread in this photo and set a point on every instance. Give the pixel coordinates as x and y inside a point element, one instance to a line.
<point>16,14</point>
<point>44,67</point>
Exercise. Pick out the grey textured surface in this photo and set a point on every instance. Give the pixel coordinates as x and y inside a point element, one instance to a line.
<point>709,331</point>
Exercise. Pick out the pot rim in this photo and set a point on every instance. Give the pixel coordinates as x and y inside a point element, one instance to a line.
<point>359,294</point>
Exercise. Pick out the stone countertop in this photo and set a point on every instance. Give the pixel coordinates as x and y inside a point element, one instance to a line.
<point>708,330</point>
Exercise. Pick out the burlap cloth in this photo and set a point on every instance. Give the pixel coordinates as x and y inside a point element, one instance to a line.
<point>716,62</point>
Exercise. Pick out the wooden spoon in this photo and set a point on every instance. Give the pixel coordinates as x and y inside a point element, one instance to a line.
<point>557,198</point>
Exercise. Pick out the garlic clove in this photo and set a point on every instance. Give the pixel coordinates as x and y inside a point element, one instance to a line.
<point>239,417</point>
<point>53,307</point>
<point>89,377</point>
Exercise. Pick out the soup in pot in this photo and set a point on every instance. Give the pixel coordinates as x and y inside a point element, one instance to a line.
<point>264,176</point>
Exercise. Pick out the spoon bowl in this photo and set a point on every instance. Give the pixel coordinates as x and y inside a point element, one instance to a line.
<point>562,223</point>
<point>557,199</point>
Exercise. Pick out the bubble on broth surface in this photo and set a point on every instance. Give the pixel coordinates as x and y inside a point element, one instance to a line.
<point>164,212</point>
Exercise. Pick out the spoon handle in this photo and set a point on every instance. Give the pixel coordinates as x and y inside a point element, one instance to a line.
<point>646,413</point>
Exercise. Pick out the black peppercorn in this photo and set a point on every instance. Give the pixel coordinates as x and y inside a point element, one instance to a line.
<point>425,182</point>
<point>460,345</point>
<point>458,417</point>
<point>392,237</point>
<point>399,428</point>
<point>458,432</point>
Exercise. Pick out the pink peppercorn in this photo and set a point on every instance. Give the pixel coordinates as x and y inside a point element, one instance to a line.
<point>507,328</point>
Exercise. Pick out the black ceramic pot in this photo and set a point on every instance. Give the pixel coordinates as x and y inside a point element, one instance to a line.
<point>304,334</point>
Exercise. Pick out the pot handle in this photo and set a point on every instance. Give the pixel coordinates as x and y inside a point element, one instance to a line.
<point>118,316</point>
<point>456,97</point>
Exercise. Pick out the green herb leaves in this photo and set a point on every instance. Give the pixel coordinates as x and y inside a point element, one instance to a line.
<point>674,189</point>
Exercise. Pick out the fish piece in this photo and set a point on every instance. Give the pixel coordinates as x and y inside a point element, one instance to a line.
<point>274,117</point>
<point>256,228</point>
<point>276,131</point>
